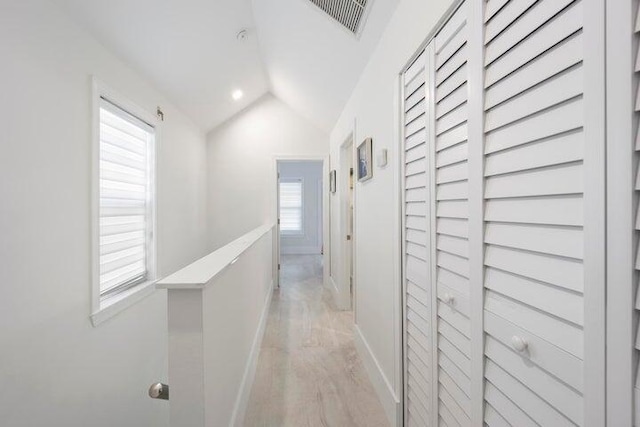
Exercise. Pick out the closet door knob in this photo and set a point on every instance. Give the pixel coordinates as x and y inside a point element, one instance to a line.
<point>448,298</point>
<point>519,343</point>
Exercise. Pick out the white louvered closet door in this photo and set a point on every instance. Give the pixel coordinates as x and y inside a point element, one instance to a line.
<point>542,248</point>
<point>450,216</point>
<point>417,293</point>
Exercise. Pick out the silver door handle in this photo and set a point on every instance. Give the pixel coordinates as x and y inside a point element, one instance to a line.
<point>159,391</point>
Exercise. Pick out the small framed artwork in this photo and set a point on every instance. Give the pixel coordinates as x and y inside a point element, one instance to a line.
<point>332,181</point>
<point>365,167</point>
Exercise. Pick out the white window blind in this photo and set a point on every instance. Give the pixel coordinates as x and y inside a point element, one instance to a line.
<point>125,219</point>
<point>291,206</point>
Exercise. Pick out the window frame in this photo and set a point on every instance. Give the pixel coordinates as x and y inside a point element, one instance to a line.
<point>112,302</point>
<point>293,233</point>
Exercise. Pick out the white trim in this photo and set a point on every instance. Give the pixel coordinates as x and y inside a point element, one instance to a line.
<point>301,250</point>
<point>391,403</point>
<point>242,399</point>
<point>109,307</point>
<point>620,208</point>
<point>102,309</point>
<point>400,166</point>
<point>346,301</point>
<point>354,222</point>
<point>476,183</point>
<point>397,151</point>
<point>430,83</point>
<point>594,214</point>
<point>202,272</point>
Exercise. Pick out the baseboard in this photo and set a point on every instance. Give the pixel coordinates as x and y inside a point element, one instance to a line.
<point>390,402</point>
<point>240,408</point>
<point>300,250</point>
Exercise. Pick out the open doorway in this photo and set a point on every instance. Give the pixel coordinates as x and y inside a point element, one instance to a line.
<point>300,212</point>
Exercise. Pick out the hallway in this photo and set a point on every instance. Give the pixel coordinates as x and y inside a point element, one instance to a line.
<point>309,373</point>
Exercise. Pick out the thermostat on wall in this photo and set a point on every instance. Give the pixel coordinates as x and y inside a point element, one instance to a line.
<point>381,159</point>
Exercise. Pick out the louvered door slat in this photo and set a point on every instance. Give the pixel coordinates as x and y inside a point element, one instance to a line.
<point>555,60</point>
<point>544,297</point>
<point>508,372</point>
<point>556,90</point>
<point>512,10</point>
<point>564,117</point>
<point>565,335</point>
<point>528,22</point>
<point>445,417</point>
<point>454,100</point>
<point>564,210</point>
<point>506,408</point>
<point>557,150</point>
<point>492,418</point>
<point>559,28</point>
<point>453,406</point>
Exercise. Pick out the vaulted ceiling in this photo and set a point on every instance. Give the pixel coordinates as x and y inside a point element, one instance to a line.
<point>190,51</point>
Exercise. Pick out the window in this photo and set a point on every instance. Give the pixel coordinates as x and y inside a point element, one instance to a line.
<point>291,206</point>
<point>124,247</point>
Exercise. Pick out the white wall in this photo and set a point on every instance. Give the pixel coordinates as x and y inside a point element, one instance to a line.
<point>310,240</point>
<point>212,365</point>
<point>55,368</point>
<point>374,107</point>
<point>241,165</point>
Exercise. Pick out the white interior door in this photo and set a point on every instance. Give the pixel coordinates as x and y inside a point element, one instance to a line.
<point>623,216</point>
<point>450,219</point>
<point>498,281</point>
<point>416,243</point>
<point>543,213</point>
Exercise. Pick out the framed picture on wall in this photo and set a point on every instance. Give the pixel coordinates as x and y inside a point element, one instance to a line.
<point>332,181</point>
<point>365,167</point>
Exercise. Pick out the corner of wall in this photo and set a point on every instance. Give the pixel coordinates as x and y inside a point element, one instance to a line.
<point>242,400</point>
<point>390,402</point>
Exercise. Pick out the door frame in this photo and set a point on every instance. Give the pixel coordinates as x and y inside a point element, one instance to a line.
<point>621,200</point>
<point>347,298</point>
<point>275,211</point>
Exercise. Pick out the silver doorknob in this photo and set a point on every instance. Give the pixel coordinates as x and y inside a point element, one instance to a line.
<point>159,391</point>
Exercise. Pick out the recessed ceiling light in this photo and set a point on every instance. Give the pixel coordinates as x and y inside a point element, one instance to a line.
<point>237,94</point>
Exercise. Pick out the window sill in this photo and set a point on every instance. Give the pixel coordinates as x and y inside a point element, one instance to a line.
<point>115,304</point>
<point>292,233</point>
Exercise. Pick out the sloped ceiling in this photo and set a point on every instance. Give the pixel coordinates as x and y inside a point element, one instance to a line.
<point>189,50</point>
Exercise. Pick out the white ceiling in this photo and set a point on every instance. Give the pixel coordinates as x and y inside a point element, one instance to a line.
<point>189,50</point>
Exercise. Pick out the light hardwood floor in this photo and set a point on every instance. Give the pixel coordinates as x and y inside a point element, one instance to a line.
<point>309,373</point>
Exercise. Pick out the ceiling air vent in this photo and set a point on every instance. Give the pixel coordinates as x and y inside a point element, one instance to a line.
<point>349,13</point>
